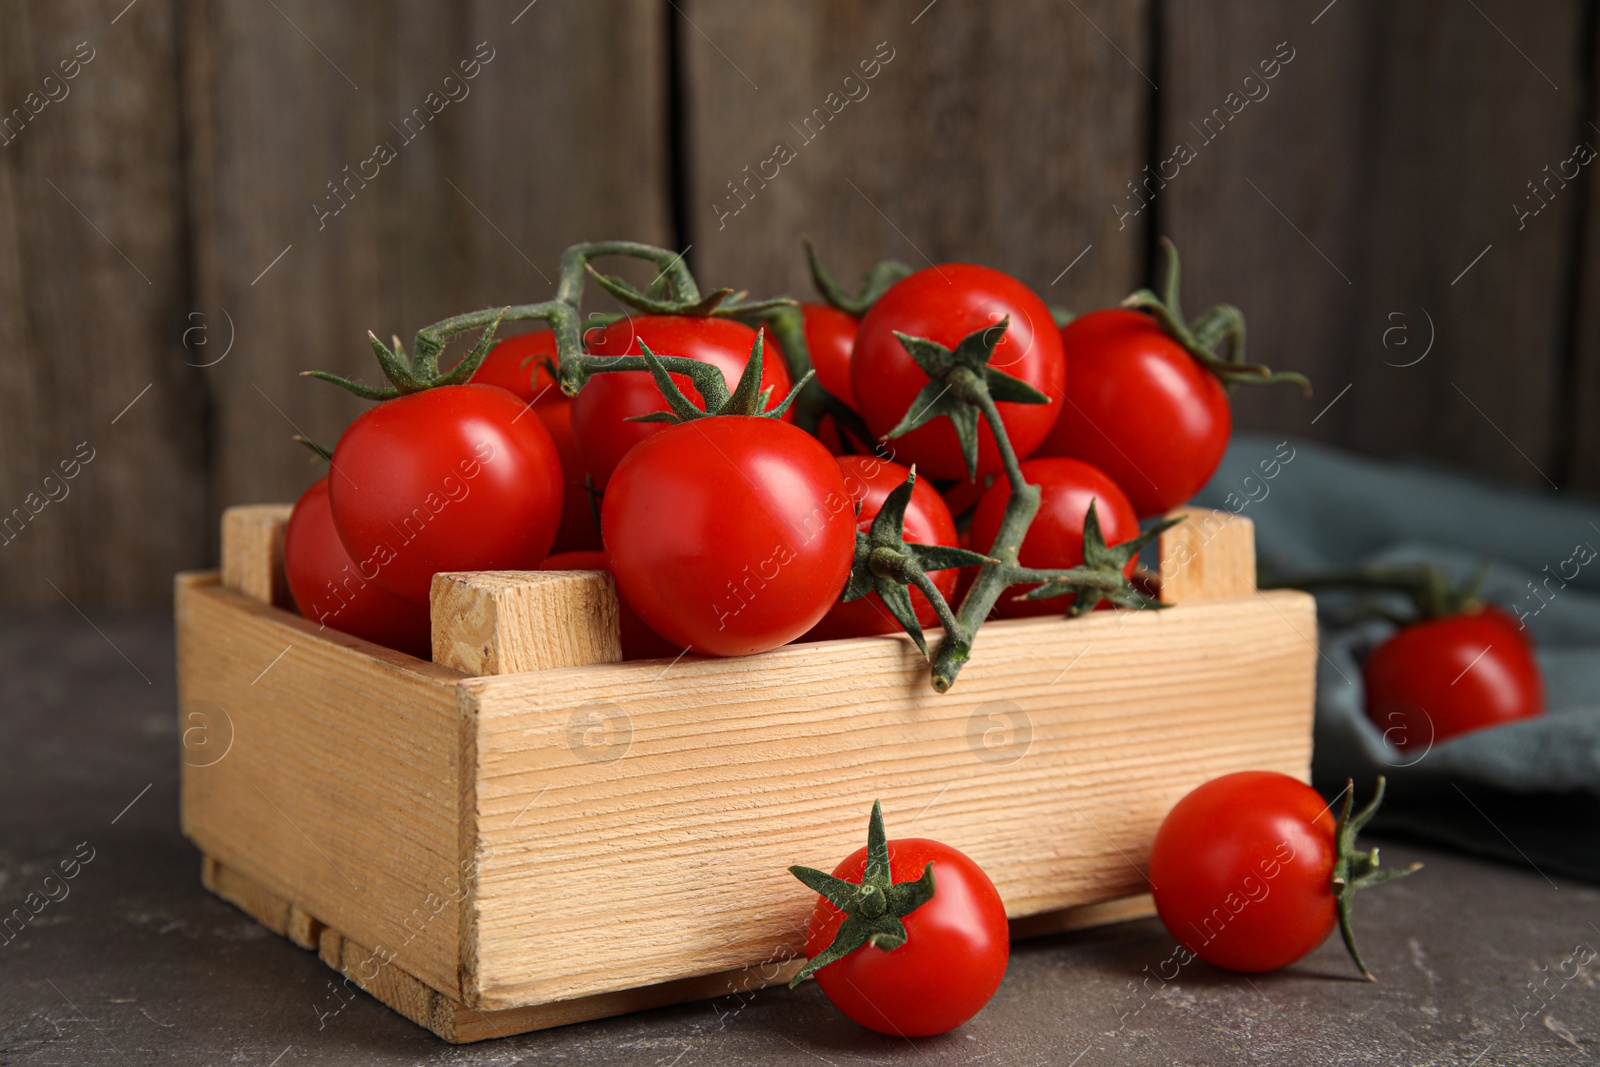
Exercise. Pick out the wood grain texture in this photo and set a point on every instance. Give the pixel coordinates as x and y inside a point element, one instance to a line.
<point>339,788</point>
<point>1343,210</point>
<point>502,622</point>
<point>996,134</point>
<point>391,985</point>
<point>560,137</point>
<point>252,552</point>
<point>92,293</point>
<point>1051,764</point>
<point>1210,555</point>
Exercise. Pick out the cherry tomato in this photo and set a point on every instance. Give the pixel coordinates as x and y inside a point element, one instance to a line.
<point>954,956</point>
<point>928,522</point>
<point>729,535</point>
<point>1241,870</point>
<point>600,411</point>
<point>1140,408</point>
<point>330,589</point>
<point>830,335</point>
<point>1055,539</point>
<point>454,478</point>
<point>1436,679</point>
<point>517,364</point>
<point>945,304</point>
<point>638,640</point>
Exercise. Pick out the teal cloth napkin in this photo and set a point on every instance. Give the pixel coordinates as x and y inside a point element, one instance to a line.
<point>1527,793</point>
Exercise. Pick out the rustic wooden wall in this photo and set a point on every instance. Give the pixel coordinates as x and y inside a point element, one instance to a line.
<point>160,214</point>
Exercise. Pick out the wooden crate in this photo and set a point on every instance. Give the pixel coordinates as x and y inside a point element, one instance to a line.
<point>528,833</point>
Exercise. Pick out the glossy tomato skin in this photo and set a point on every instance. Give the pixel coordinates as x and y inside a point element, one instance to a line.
<point>1055,539</point>
<point>517,365</point>
<point>953,959</point>
<point>830,336</point>
<point>605,403</point>
<point>1141,409</point>
<point>1437,679</point>
<point>449,479</point>
<point>330,589</point>
<point>945,304</point>
<point>1241,870</point>
<point>729,535</point>
<point>870,480</point>
<point>638,640</point>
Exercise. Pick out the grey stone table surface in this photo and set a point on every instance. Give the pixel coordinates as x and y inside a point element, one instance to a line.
<point>136,964</point>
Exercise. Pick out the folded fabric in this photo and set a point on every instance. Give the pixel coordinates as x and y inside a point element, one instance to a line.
<point>1528,792</point>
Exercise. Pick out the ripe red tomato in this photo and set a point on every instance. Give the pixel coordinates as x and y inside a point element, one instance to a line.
<point>830,335</point>
<point>329,588</point>
<point>869,480</point>
<point>1140,408</point>
<point>516,364</point>
<point>600,409</point>
<point>1436,679</point>
<point>1066,486</point>
<point>453,478</point>
<point>945,304</point>
<point>729,535</point>
<point>954,956</point>
<point>638,640</point>
<point>1241,870</point>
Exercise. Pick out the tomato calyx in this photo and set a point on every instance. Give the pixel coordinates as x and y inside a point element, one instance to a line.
<point>874,283</point>
<point>886,564</point>
<point>747,398</point>
<point>873,909</point>
<point>1101,575</point>
<point>322,453</point>
<point>1429,589</point>
<point>1221,323</point>
<point>961,383</point>
<point>1354,869</point>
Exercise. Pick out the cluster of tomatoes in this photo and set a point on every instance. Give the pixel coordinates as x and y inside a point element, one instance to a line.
<point>729,516</point>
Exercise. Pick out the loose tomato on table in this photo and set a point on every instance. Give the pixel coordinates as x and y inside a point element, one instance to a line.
<point>331,589</point>
<point>1251,871</point>
<point>521,365</point>
<point>945,304</point>
<point>1146,396</point>
<point>869,481</point>
<point>601,411</point>
<point>908,937</point>
<point>728,533</point>
<point>1067,487</point>
<point>638,640</point>
<point>1439,678</point>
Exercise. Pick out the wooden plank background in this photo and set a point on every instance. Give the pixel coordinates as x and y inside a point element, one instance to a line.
<point>160,212</point>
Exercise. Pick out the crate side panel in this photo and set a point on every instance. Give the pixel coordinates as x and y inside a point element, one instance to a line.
<point>1051,763</point>
<point>326,770</point>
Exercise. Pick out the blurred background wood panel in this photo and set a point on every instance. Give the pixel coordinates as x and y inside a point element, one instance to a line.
<point>206,209</point>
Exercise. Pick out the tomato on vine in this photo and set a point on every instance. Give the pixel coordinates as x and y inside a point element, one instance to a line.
<point>522,365</point>
<point>442,476</point>
<point>1146,394</point>
<point>330,588</point>
<point>830,337</point>
<point>602,410</point>
<point>869,481</point>
<point>945,305</point>
<point>730,532</point>
<point>908,937</point>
